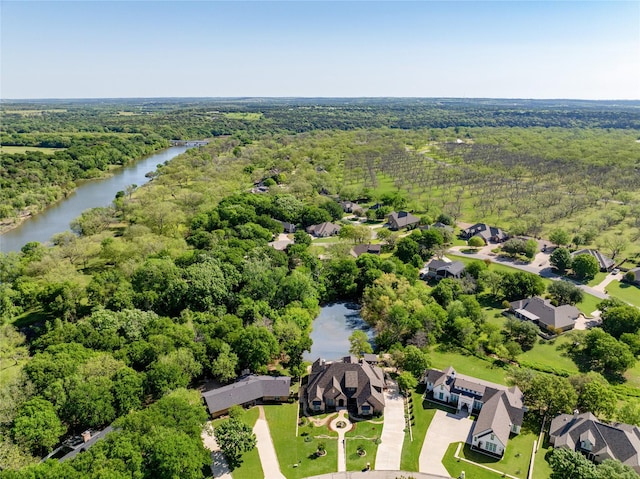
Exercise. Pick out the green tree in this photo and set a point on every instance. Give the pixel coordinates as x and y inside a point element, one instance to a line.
<point>234,438</point>
<point>621,319</point>
<point>406,382</point>
<point>223,367</point>
<point>585,266</point>
<point>566,463</point>
<point>559,237</point>
<point>550,395</point>
<point>37,426</point>
<point>564,292</point>
<point>521,285</point>
<point>415,361</point>
<point>598,398</point>
<point>606,354</point>
<point>561,259</point>
<point>475,242</point>
<point>359,343</point>
<point>173,455</point>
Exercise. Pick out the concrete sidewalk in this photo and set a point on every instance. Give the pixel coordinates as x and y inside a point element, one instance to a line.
<point>266,450</point>
<point>392,437</point>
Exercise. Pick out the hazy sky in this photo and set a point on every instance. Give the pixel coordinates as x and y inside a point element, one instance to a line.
<point>551,49</point>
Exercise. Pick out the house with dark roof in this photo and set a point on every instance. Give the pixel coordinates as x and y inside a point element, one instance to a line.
<point>500,409</point>
<point>438,226</point>
<point>636,275</point>
<point>402,219</point>
<point>247,391</point>
<point>604,262</point>
<point>486,232</point>
<point>361,249</point>
<point>541,312</point>
<point>439,269</point>
<point>350,383</point>
<point>288,227</point>
<point>324,230</point>
<point>596,440</point>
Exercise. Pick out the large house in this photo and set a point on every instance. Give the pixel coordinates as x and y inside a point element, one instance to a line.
<point>350,383</point>
<point>402,219</point>
<point>636,275</point>
<point>500,409</point>
<point>604,262</point>
<point>247,391</point>
<point>541,312</point>
<point>486,232</point>
<point>323,230</point>
<point>596,440</point>
<point>438,269</point>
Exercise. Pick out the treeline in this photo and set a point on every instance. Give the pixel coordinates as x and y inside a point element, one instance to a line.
<point>33,180</point>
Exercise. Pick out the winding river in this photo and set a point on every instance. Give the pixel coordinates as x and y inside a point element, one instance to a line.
<point>89,194</point>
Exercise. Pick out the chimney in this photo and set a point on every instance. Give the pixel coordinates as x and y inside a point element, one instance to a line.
<point>86,436</point>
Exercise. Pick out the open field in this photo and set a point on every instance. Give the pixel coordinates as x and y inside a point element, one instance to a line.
<point>469,365</point>
<point>624,291</point>
<point>244,116</point>
<point>23,149</point>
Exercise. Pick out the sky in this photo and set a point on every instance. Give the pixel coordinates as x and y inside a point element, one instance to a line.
<point>469,49</point>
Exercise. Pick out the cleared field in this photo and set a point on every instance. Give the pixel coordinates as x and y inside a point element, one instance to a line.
<point>24,149</point>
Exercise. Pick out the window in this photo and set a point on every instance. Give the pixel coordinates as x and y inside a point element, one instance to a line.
<point>493,437</point>
<point>491,447</point>
<point>441,396</point>
<point>366,408</point>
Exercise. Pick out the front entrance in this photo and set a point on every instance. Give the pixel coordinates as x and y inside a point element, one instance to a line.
<point>341,403</point>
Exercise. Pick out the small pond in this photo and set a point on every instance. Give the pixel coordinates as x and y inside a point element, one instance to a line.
<point>332,328</point>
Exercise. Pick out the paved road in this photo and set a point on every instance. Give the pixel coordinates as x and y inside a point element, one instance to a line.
<point>444,429</point>
<point>390,448</point>
<point>266,451</point>
<point>540,265</point>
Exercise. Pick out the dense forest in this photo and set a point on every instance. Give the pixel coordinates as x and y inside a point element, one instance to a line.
<point>175,283</point>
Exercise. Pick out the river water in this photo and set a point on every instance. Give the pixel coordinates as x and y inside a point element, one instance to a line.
<point>89,194</point>
<point>331,331</point>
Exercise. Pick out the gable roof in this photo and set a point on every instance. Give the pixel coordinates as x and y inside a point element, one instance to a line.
<point>636,273</point>
<point>542,311</point>
<point>485,231</point>
<point>324,229</point>
<point>356,380</point>
<point>609,441</point>
<point>402,219</point>
<point>603,261</point>
<point>360,249</point>
<point>454,268</point>
<point>246,390</point>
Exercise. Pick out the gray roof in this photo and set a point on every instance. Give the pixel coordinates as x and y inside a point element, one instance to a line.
<point>86,445</point>
<point>402,219</point>
<point>324,229</point>
<point>609,441</point>
<point>350,378</point>
<point>485,231</point>
<point>636,273</point>
<point>604,262</point>
<point>360,249</point>
<point>246,390</point>
<point>502,406</point>
<point>454,268</point>
<point>541,310</point>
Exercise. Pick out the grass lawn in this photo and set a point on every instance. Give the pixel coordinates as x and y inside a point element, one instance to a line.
<point>423,413</point>
<point>356,462</point>
<point>295,450</point>
<point>625,292</point>
<point>597,279</point>
<point>367,429</point>
<point>588,304</point>
<point>455,467</point>
<point>550,353</point>
<point>24,149</point>
<point>251,466</point>
<point>541,468</point>
<point>469,365</point>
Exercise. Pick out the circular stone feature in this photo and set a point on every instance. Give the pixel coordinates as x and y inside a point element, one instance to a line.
<point>341,424</point>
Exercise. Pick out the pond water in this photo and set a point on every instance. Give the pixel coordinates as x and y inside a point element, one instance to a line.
<point>89,194</point>
<point>332,328</point>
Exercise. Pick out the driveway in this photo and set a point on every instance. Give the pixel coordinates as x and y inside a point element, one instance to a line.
<point>219,466</point>
<point>390,448</point>
<point>266,450</point>
<point>444,429</point>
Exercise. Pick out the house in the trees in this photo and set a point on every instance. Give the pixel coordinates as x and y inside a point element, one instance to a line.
<point>635,273</point>
<point>361,249</point>
<point>288,227</point>
<point>489,234</point>
<point>438,226</point>
<point>402,219</point>
<point>324,230</point>
<point>500,409</point>
<point>541,312</point>
<point>246,392</point>
<point>439,269</point>
<point>604,262</point>
<point>350,207</point>
<point>596,440</point>
<point>349,383</point>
